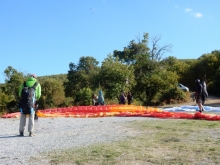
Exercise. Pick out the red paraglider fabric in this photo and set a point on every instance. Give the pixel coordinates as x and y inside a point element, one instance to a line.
<point>116,110</point>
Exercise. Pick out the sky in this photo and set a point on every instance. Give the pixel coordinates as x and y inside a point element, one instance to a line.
<point>43,36</point>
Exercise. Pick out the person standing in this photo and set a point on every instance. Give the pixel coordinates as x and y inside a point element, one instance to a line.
<point>129,97</point>
<point>94,99</point>
<point>198,95</point>
<point>101,100</point>
<point>204,90</point>
<point>29,93</point>
<point>122,98</point>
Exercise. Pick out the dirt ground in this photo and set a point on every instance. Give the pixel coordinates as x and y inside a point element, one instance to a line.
<point>211,101</point>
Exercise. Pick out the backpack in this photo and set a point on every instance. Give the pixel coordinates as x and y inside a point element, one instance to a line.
<point>27,98</point>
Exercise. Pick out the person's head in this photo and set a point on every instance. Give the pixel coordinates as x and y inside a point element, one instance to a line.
<point>33,76</point>
<point>197,81</point>
<point>100,92</point>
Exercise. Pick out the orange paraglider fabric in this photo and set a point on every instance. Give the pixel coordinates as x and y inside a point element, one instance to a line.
<point>116,110</point>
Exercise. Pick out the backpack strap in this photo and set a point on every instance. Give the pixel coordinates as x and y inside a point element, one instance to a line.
<point>24,84</point>
<point>34,86</point>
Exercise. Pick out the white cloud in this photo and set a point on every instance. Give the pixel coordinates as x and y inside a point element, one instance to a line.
<point>188,10</point>
<point>197,15</point>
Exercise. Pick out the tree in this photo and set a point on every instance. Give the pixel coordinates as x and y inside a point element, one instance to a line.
<point>87,64</point>
<point>140,48</point>
<point>4,100</point>
<point>155,79</point>
<point>178,66</point>
<point>207,64</point>
<point>52,93</point>
<point>60,77</point>
<point>81,76</point>
<point>143,68</point>
<point>84,97</point>
<point>13,81</point>
<point>216,83</point>
<point>157,52</point>
<point>134,49</point>
<point>115,77</point>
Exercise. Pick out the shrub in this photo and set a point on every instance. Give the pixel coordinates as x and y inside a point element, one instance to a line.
<point>173,95</point>
<point>84,97</point>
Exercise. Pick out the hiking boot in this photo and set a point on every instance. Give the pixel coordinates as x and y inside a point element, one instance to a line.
<point>30,134</point>
<point>21,133</point>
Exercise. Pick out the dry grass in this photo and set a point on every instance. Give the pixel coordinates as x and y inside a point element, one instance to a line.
<point>168,141</point>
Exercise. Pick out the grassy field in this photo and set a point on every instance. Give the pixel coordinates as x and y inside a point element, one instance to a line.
<point>162,141</point>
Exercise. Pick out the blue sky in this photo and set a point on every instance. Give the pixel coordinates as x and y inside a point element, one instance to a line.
<point>44,36</point>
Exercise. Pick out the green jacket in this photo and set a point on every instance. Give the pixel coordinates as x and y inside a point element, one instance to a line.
<point>30,82</point>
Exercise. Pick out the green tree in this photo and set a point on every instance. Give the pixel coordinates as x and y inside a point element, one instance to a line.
<point>216,83</point>
<point>115,76</point>
<point>134,49</point>
<point>186,73</point>
<point>4,100</point>
<point>81,76</point>
<point>84,97</point>
<point>155,79</point>
<point>143,69</point>
<point>180,67</point>
<point>60,77</point>
<point>207,65</point>
<point>52,92</point>
<point>140,48</point>
<point>87,64</point>
<point>13,81</point>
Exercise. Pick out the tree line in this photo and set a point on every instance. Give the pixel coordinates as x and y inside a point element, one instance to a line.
<point>137,68</point>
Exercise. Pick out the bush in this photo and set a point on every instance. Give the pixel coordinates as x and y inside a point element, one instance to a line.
<point>111,101</point>
<point>173,95</point>
<point>84,97</point>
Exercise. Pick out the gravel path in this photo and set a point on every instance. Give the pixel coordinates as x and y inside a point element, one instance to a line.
<point>63,133</point>
<point>57,133</point>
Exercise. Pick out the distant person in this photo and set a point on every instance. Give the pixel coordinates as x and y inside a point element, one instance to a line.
<point>204,90</point>
<point>122,98</point>
<point>198,94</point>
<point>101,100</point>
<point>95,100</point>
<point>129,98</point>
<point>29,93</point>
